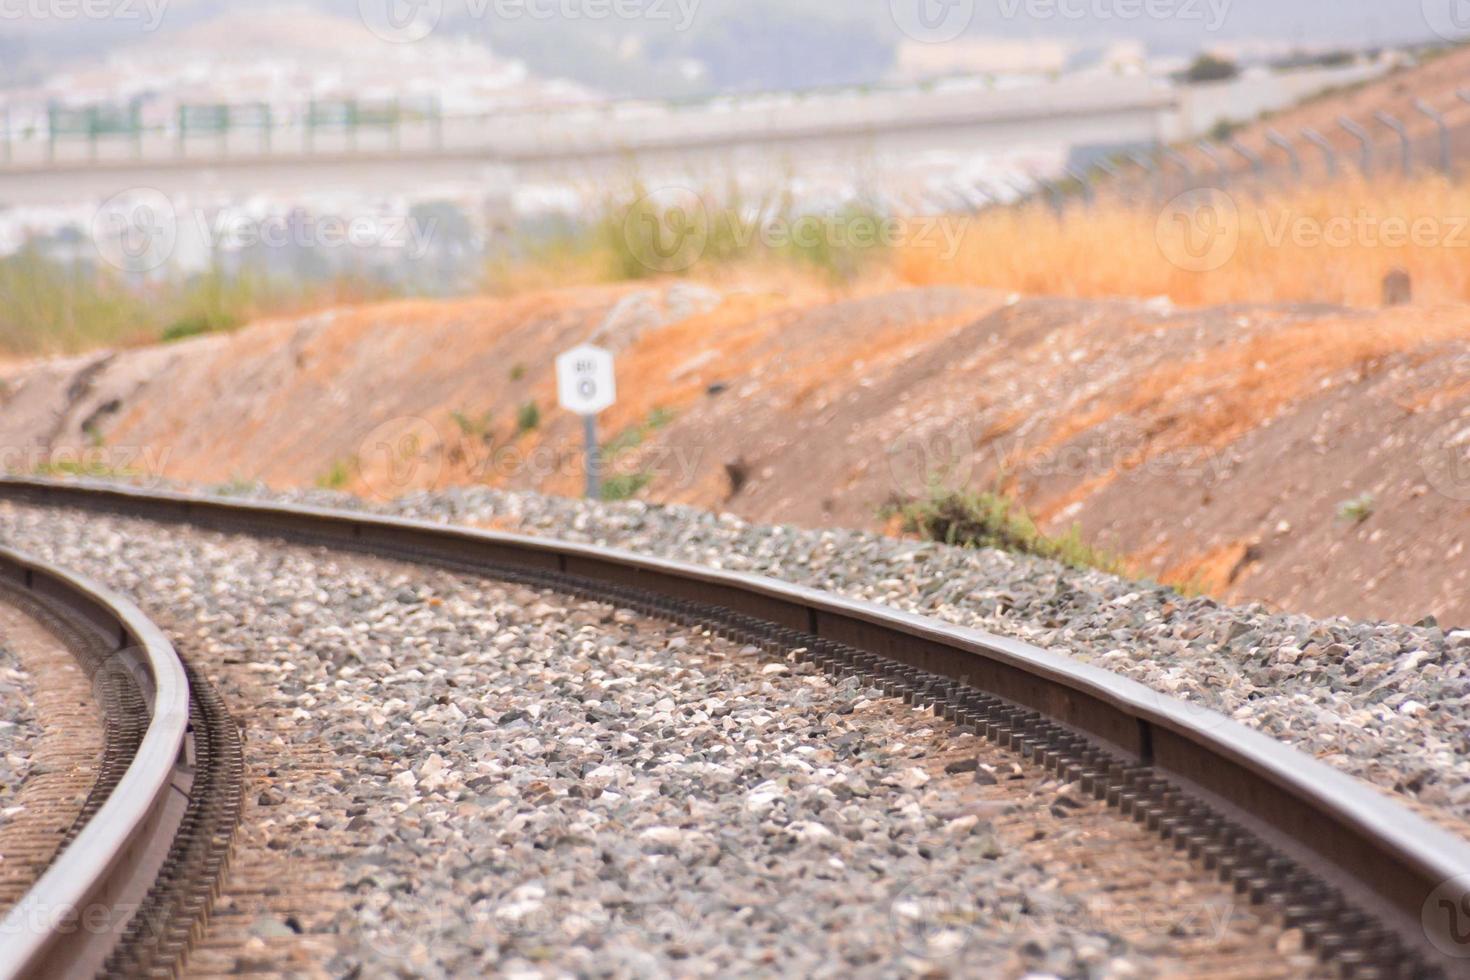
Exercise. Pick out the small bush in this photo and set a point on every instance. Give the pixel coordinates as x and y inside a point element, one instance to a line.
<point>88,469</point>
<point>474,426</point>
<point>1209,68</point>
<point>337,477</point>
<point>528,418</point>
<point>625,486</point>
<point>991,520</point>
<point>1357,510</point>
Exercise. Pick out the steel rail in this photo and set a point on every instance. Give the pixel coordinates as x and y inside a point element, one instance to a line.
<point>74,915</point>
<point>1360,874</point>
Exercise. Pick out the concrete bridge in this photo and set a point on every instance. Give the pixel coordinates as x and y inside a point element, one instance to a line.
<point>780,137</point>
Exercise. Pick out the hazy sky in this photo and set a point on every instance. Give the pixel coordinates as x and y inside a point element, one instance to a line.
<point>1347,21</point>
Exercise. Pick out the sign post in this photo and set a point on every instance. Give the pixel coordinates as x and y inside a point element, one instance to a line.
<point>586,385</point>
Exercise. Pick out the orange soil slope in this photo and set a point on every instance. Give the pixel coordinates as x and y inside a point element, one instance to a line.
<point>1216,446</point>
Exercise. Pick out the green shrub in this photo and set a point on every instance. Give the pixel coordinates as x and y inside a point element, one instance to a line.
<point>1357,510</point>
<point>625,486</point>
<point>528,418</point>
<point>337,477</point>
<point>992,520</point>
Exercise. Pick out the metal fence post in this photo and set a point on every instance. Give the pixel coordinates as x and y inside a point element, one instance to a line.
<point>1054,196</point>
<point>1446,161</point>
<point>1222,169</point>
<point>1406,148</point>
<point>1365,163</point>
<point>1181,161</point>
<point>1329,155</point>
<point>1081,177</point>
<point>1258,166</point>
<point>1151,168</point>
<point>1277,139</point>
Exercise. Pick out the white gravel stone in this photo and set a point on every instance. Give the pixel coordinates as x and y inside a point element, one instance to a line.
<point>1334,688</point>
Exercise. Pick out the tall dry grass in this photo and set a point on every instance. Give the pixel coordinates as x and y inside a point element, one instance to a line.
<point>1331,244</point>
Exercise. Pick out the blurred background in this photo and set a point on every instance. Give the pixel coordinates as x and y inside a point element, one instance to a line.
<point>1059,255</point>
<point>510,125</point>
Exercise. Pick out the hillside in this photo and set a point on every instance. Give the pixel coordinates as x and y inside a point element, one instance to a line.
<point>1305,456</point>
<point>1436,82</point>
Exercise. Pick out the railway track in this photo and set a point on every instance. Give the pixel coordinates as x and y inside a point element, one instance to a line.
<point>1374,890</point>
<point>130,884</point>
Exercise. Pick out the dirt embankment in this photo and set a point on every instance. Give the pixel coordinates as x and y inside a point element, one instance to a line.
<point>1314,458</point>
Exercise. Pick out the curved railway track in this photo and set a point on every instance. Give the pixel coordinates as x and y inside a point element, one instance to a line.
<point>1375,890</point>
<point>131,884</point>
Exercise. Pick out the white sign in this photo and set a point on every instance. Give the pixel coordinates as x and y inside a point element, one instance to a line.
<point>585,383</point>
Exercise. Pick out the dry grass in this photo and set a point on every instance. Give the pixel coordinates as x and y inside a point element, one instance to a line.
<point>1361,232</point>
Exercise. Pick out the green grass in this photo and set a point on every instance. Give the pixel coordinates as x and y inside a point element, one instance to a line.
<point>645,237</point>
<point>1357,510</point>
<point>635,235</point>
<point>625,486</point>
<point>992,520</point>
<point>337,476</point>
<point>50,307</point>
<point>475,426</point>
<point>91,469</point>
<point>528,418</point>
<point>635,435</point>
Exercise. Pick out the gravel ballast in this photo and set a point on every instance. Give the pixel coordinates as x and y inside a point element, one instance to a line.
<point>1387,703</point>
<point>450,776</point>
<point>20,732</point>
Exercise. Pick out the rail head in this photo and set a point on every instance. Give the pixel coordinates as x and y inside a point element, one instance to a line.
<point>1398,858</point>
<point>69,918</point>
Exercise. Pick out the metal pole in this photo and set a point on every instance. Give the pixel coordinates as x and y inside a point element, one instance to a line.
<point>1151,168</point>
<point>1222,169</point>
<point>1406,149</point>
<point>594,458</point>
<point>1181,161</point>
<point>1329,155</point>
<point>1276,139</point>
<point>1112,173</point>
<point>1361,135</point>
<point>1446,163</point>
<point>1258,166</point>
<point>1080,176</point>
